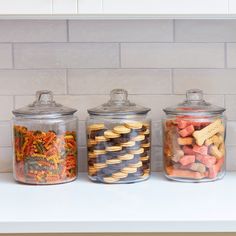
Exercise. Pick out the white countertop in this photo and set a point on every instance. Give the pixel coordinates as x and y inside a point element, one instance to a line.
<point>156,205</point>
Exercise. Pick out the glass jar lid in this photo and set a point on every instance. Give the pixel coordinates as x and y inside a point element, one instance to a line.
<point>194,105</point>
<point>118,105</point>
<point>44,107</point>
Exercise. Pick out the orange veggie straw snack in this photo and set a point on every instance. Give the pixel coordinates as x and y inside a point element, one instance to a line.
<point>44,157</point>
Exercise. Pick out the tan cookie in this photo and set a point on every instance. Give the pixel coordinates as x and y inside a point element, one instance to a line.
<point>119,175</point>
<point>145,175</point>
<point>113,148</point>
<point>92,170</point>
<point>216,139</point>
<point>220,138</point>
<point>136,152</point>
<point>92,155</point>
<point>222,148</point>
<point>134,125</point>
<point>199,167</point>
<point>95,127</point>
<point>121,129</point>
<point>138,138</point>
<point>113,161</point>
<point>129,170</point>
<point>128,144</point>
<point>137,165</point>
<point>99,152</point>
<point>126,157</point>
<point>177,155</point>
<point>146,125</point>
<point>185,141</point>
<point>146,145</point>
<point>146,158</point>
<point>207,132</point>
<point>147,171</point>
<point>214,151</point>
<point>110,134</point>
<point>100,165</point>
<point>100,138</point>
<point>110,180</point>
<point>91,142</point>
<point>209,141</point>
<point>146,132</point>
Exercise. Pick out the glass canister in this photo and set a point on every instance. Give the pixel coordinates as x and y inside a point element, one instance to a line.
<point>119,141</point>
<point>194,140</point>
<point>45,148</point>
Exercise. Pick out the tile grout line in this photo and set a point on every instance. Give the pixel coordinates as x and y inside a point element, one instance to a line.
<point>115,68</point>
<point>172,81</point>
<point>14,102</point>
<point>224,101</point>
<point>67,83</point>
<point>120,67</point>
<point>174,31</point>
<point>114,42</point>
<point>67,31</point>
<point>226,55</point>
<point>13,55</point>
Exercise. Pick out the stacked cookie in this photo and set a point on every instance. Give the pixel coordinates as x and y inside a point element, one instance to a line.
<point>120,153</point>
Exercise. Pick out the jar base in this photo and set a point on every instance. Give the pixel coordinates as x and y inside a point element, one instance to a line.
<point>45,184</point>
<point>95,180</point>
<point>219,177</point>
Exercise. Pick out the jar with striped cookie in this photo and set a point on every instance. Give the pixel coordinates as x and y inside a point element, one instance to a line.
<point>119,141</point>
<point>194,140</point>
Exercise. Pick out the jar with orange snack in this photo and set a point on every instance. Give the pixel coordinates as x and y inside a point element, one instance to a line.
<point>44,137</point>
<point>194,140</point>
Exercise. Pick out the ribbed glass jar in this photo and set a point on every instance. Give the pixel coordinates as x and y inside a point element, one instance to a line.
<point>119,141</point>
<point>45,142</point>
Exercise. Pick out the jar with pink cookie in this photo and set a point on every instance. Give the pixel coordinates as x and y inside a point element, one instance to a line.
<point>194,140</point>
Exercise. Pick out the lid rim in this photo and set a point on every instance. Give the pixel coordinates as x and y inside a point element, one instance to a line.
<point>118,113</point>
<point>196,113</point>
<point>55,114</point>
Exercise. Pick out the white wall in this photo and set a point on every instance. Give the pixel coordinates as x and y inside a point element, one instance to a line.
<point>81,61</point>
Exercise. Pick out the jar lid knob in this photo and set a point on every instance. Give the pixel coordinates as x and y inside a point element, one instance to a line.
<point>194,95</point>
<point>119,96</point>
<point>44,97</point>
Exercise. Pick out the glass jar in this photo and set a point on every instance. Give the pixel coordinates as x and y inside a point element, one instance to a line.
<point>194,140</point>
<point>118,141</point>
<point>45,148</point>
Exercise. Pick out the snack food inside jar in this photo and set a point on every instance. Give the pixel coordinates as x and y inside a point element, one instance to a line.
<point>194,147</point>
<point>45,149</point>
<point>118,150</point>
<point>44,155</point>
